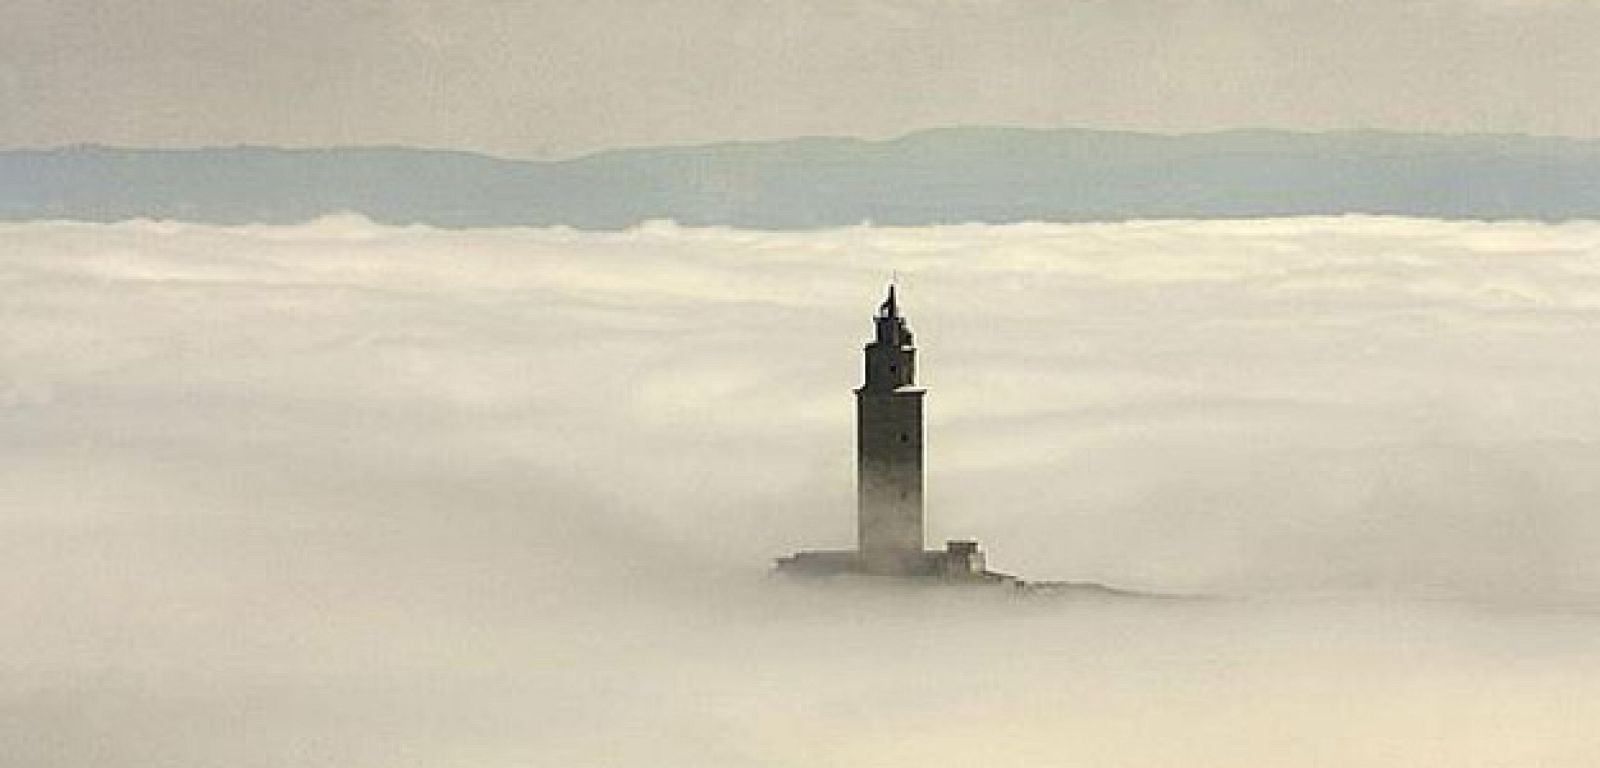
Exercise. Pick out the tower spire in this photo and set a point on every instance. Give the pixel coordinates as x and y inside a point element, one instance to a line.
<point>889,307</point>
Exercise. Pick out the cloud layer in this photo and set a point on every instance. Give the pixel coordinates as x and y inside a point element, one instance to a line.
<point>351,495</point>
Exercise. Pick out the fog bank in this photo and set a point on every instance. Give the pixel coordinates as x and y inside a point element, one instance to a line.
<point>352,495</point>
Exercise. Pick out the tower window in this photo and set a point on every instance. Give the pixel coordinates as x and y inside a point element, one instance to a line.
<point>905,438</point>
<point>894,368</point>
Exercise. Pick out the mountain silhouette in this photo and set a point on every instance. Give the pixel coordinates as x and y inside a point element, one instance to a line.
<point>943,176</point>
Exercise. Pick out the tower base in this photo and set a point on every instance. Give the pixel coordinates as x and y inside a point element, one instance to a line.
<point>960,562</point>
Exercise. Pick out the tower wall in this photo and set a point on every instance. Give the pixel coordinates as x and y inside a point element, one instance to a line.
<point>889,516</point>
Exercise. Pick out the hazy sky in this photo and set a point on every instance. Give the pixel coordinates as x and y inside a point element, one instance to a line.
<point>556,78</point>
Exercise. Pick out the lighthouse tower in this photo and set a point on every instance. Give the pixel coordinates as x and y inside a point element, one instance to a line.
<point>889,449</point>
<point>889,535</point>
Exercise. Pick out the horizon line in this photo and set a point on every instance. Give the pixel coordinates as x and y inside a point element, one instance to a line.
<point>693,145</point>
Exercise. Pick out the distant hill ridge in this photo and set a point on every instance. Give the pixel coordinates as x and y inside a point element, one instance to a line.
<point>950,175</point>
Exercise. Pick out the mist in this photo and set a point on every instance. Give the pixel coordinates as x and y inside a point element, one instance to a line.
<point>345,494</point>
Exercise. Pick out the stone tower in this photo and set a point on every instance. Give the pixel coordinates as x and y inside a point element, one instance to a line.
<point>889,479</point>
<point>889,448</point>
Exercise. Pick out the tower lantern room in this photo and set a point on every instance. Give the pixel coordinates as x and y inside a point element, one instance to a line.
<point>891,356</point>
